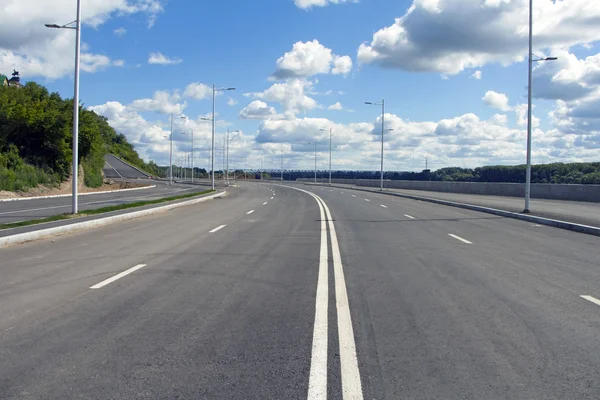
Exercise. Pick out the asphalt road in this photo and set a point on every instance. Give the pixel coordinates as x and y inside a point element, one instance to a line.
<point>580,212</point>
<point>115,168</point>
<point>260,295</point>
<point>14,211</point>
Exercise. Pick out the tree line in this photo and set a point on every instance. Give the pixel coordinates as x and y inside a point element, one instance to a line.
<point>571,173</point>
<point>36,140</point>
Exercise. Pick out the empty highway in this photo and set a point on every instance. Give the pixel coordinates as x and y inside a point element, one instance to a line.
<point>299,292</point>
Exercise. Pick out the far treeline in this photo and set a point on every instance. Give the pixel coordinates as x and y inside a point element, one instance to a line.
<point>573,173</point>
<point>36,140</point>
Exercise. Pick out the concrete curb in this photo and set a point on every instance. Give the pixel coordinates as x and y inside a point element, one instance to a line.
<point>571,226</point>
<point>21,238</point>
<point>55,196</point>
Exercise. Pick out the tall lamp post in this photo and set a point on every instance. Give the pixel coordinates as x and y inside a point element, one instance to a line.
<point>227,162</point>
<point>382,104</point>
<point>214,90</point>
<point>75,180</point>
<point>529,107</point>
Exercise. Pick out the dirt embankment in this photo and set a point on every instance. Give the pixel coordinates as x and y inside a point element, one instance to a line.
<point>66,187</point>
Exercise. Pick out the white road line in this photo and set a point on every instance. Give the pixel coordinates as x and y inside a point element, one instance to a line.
<point>218,228</point>
<point>351,384</point>
<point>118,276</point>
<point>250,212</point>
<point>367,200</point>
<point>459,238</point>
<point>409,216</point>
<point>592,299</point>
<point>342,192</point>
<point>317,381</point>
<point>353,195</point>
<point>383,206</point>
<point>265,203</point>
<point>271,198</point>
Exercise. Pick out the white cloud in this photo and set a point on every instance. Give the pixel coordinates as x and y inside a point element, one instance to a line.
<point>342,65</point>
<point>120,31</point>
<point>307,4</point>
<point>198,91</point>
<point>36,51</point>
<point>476,75</point>
<point>336,106</point>
<point>291,95</point>
<point>496,100</point>
<point>162,102</point>
<point>496,32</point>
<point>161,59</point>
<point>311,58</point>
<point>231,102</point>
<point>257,110</point>
<point>521,116</point>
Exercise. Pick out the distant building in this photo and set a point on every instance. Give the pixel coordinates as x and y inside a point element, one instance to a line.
<point>15,80</point>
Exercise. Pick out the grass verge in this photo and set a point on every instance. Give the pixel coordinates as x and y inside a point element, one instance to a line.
<point>102,210</point>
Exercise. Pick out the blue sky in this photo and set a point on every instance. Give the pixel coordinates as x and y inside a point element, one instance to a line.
<point>452,73</point>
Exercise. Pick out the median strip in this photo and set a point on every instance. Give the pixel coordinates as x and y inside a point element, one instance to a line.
<point>20,238</point>
<point>96,211</point>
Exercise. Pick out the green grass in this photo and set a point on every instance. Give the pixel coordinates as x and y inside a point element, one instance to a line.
<point>102,210</point>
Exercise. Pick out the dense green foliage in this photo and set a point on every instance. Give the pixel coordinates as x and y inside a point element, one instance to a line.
<point>16,175</point>
<point>573,173</point>
<point>36,140</point>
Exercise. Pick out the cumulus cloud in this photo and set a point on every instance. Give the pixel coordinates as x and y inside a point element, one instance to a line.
<point>291,95</point>
<point>198,91</point>
<point>521,115</point>
<point>36,51</point>
<point>432,35</point>
<point>231,102</point>
<point>336,106</point>
<point>307,4</point>
<point>311,58</point>
<point>257,110</point>
<point>162,102</point>
<point>161,59</point>
<point>496,100</point>
<point>476,75</point>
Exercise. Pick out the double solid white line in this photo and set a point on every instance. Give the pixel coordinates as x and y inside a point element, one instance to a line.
<point>317,383</point>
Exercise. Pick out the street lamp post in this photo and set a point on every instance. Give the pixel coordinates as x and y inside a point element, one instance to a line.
<point>75,180</point>
<point>215,90</point>
<point>382,104</point>
<point>227,162</point>
<point>529,108</point>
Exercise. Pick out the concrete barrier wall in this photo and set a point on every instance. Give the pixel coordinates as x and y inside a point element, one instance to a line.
<point>589,193</point>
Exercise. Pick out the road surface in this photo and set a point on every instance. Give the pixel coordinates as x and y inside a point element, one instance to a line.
<point>15,211</point>
<point>580,212</point>
<point>115,168</point>
<point>262,295</point>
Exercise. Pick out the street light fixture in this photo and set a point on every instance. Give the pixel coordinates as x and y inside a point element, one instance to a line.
<point>382,104</point>
<point>75,162</point>
<point>215,90</point>
<point>529,108</point>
